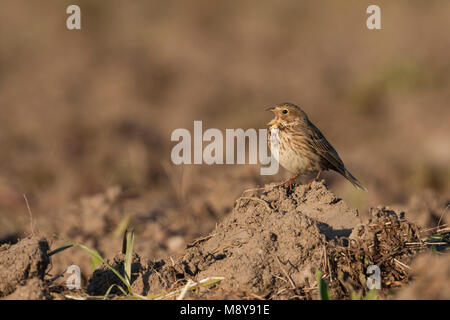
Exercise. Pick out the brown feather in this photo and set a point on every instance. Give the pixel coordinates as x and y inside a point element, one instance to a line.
<point>302,147</point>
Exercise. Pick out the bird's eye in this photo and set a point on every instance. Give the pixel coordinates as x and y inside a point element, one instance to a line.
<point>285,111</point>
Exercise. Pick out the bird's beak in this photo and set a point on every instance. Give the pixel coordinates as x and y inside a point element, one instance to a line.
<point>273,121</point>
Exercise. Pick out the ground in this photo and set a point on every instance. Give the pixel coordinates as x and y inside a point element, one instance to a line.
<point>270,246</point>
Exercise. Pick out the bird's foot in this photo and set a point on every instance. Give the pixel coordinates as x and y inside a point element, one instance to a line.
<point>290,181</point>
<point>313,179</point>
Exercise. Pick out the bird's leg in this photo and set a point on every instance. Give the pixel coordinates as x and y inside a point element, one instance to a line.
<point>290,181</point>
<point>314,179</point>
<point>318,175</point>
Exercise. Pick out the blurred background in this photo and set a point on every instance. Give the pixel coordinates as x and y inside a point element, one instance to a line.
<point>88,114</point>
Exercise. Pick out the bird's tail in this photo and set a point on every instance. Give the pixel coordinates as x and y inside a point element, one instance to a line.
<point>353,180</point>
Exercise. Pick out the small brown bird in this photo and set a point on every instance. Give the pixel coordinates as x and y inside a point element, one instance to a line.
<point>302,148</point>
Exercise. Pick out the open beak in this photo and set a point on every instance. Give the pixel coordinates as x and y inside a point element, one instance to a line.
<point>273,121</point>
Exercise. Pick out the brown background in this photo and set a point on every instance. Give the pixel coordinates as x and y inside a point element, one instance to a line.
<point>82,111</point>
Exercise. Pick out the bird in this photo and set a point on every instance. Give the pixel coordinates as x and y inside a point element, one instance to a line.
<point>302,148</point>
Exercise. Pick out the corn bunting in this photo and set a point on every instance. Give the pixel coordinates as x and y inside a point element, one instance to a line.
<point>302,148</point>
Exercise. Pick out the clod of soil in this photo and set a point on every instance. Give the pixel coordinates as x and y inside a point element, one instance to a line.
<point>23,264</point>
<point>271,244</point>
<point>103,278</point>
<point>382,242</point>
<point>34,289</point>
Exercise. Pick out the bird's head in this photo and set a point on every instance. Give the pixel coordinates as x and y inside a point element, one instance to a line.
<point>286,114</point>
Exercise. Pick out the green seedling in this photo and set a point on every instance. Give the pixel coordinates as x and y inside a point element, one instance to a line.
<point>97,258</point>
<point>127,250</point>
<point>324,291</point>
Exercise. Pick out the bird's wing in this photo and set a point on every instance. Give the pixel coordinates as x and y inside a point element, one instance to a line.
<point>324,149</point>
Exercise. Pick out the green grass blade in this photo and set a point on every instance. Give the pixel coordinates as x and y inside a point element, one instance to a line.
<point>372,295</point>
<point>97,256</point>
<point>59,250</point>
<point>95,262</point>
<point>324,291</point>
<point>122,226</point>
<point>110,288</point>
<point>128,248</point>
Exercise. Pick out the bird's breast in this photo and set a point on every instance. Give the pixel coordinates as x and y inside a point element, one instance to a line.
<point>290,149</point>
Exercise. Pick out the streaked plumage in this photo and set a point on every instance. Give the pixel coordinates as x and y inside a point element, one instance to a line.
<point>302,147</point>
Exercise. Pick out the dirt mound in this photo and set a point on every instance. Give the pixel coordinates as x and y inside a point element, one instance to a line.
<point>271,245</point>
<point>164,220</point>
<point>34,289</point>
<point>383,242</point>
<point>22,268</point>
